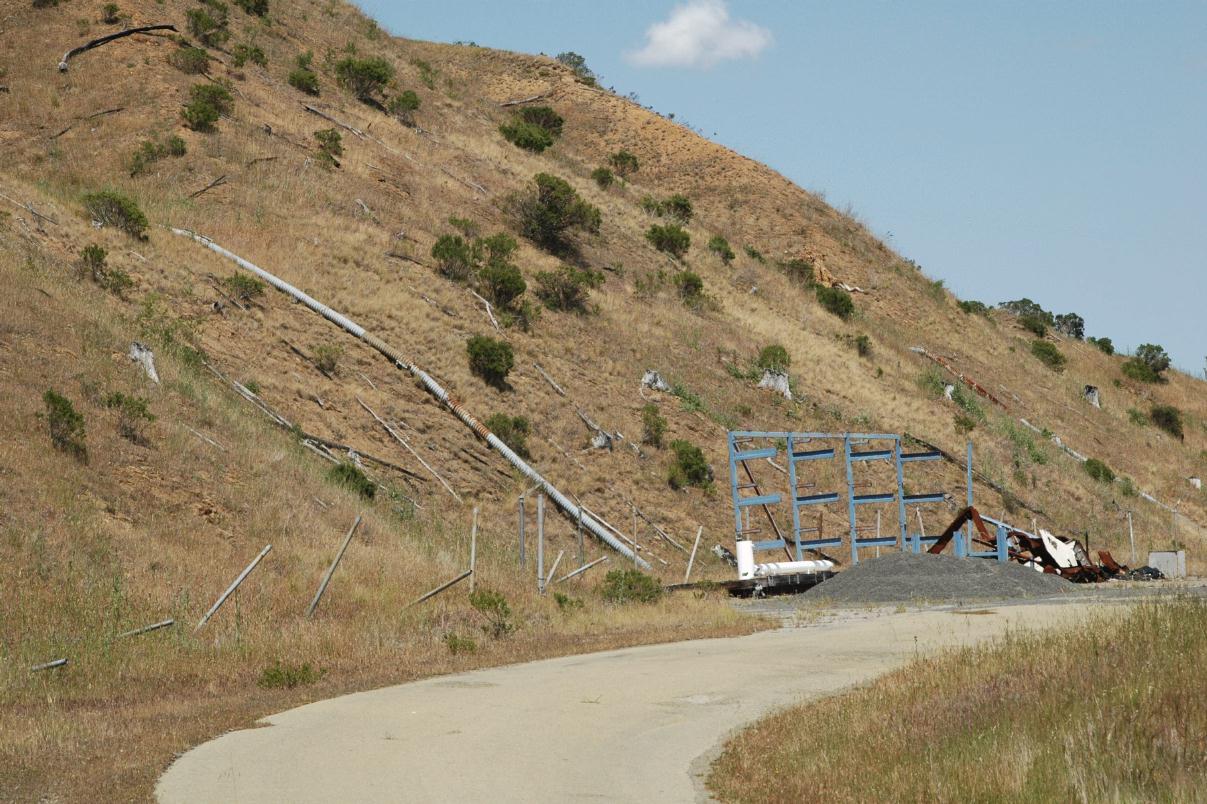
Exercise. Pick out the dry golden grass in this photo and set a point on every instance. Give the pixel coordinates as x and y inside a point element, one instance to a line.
<point>283,210</point>
<point>1115,711</point>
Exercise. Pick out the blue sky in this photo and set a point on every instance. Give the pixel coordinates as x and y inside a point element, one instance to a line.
<point>1050,150</point>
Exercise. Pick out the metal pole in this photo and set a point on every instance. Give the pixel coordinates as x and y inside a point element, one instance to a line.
<point>540,543</point>
<point>523,558</point>
<point>146,629</point>
<point>581,569</point>
<point>331,570</point>
<point>582,548</point>
<point>473,551</point>
<point>635,534</point>
<point>48,665</point>
<point>441,588</point>
<point>1131,536</point>
<point>692,560</point>
<point>230,589</point>
<point>553,569</point>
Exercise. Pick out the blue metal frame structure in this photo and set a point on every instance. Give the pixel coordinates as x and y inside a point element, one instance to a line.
<point>855,449</point>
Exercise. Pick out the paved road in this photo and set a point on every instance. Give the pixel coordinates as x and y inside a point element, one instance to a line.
<point>639,724</point>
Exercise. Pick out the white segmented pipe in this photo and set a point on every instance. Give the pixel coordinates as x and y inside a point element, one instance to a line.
<point>433,388</point>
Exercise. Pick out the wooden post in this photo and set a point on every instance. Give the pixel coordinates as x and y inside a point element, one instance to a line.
<point>146,629</point>
<point>1131,536</point>
<point>230,589</point>
<point>473,550</point>
<point>441,588</point>
<point>692,560</point>
<point>331,570</point>
<point>540,543</point>
<point>523,558</point>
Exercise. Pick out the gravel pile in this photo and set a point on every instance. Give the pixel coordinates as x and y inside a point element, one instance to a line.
<point>909,577</point>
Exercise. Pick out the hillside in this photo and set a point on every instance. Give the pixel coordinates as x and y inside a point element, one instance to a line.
<point>158,521</point>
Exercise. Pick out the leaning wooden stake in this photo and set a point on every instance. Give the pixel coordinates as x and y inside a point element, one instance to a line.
<point>331,570</point>
<point>441,588</point>
<point>48,665</point>
<point>473,550</point>
<point>104,40</point>
<point>231,589</point>
<point>410,449</point>
<point>692,560</point>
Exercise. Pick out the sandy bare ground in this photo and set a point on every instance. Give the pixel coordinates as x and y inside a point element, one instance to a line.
<point>639,724</point>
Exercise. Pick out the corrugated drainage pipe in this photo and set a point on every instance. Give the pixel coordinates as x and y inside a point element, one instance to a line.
<point>433,387</point>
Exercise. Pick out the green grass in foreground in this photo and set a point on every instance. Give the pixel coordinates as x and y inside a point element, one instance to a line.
<point>1114,711</point>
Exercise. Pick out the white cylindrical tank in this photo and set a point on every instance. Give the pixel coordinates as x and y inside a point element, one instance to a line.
<point>792,567</point>
<point>745,553</point>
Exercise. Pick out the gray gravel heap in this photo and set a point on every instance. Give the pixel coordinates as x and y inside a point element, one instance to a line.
<point>909,577</point>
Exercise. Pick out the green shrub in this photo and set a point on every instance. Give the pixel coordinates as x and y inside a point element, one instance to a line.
<point>494,607</point>
<point>302,77</point>
<point>670,238</point>
<point>132,411</point>
<point>603,177</point>
<point>691,288</point>
<point>326,357</point>
<point>653,425</point>
<point>243,287</point>
<point>720,246</point>
<point>454,258</point>
<point>279,675</point>
<point>1104,345</point>
<point>548,213</point>
<point>863,345</point>
<point>1137,417</point>
<point>465,226</point>
<point>207,102</point>
<point>93,265</point>
<point>774,357</point>
<point>150,152</point>
<point>624,163</point>
<point>1034,324</point>
<point>1049,355</point>
<point>1148,363</point>
<point>800,271</point>
<point>353,478</point>
<point>208,23</point>
<point>512,431</point>
<point>1070,324</point>
<point>568,288</point>
<point>964,423</point>
<point>974,307</point>
<point>689,467</point>
<point>330,146</point>
<point>650,205</point>
<point>245,53</point>
<point>1099,471</point>
<point>836,301</point>
<point>458,644</point>
<point>678,207</point>
<point>427,73</point>
<point>1169,419</point>
<point>114,209</point>
<point>109,13</point>
<point>189,60</point>
<point>533,128</point>
<point>526,136</point>
<point>256,7</point>
<point>490,359</point>
<point>501,282</point>
<point>45,3</point>
<point>630,586</point>
<point>66,426</point>
<point>756,255</point>
<point>404,105</point>
<point>364,77</point>
<point>566,602</point>
<point>582,73</point>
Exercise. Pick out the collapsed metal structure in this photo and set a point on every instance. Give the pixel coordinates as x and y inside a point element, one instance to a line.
<point>434,388</point>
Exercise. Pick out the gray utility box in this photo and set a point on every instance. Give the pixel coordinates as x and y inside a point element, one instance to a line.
<point>1171,563</point>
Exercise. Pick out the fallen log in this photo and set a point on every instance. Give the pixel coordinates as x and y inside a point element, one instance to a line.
<point>104,40</point>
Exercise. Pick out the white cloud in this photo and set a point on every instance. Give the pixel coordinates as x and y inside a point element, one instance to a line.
<point>700,33</point>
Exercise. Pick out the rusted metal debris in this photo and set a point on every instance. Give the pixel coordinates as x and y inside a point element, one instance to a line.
<point>1054,555</point>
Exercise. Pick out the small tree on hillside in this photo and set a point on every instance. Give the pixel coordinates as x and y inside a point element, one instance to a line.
<point>365,77</point>
<point>774,357</point>
<point>549,212</point>
<point>623,163</point>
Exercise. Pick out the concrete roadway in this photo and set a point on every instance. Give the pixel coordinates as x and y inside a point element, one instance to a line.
<point>638,724</point>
